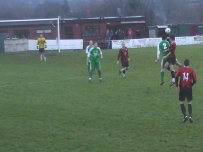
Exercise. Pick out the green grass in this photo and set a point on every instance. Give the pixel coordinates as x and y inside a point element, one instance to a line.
<point>50,107</point>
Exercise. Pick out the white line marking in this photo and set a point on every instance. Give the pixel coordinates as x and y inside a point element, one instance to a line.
<point>37,82</point>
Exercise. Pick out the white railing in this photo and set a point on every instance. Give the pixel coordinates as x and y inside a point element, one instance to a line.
<point>17,45</point>
<point>153,42</point>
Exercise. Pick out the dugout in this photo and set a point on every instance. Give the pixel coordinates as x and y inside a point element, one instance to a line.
<point>161,30</point>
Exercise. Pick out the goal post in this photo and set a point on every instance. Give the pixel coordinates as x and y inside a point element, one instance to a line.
<point>59,34</point>
<point>57,20</point>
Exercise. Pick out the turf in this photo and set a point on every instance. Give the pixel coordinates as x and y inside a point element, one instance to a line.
<point>51,107</point>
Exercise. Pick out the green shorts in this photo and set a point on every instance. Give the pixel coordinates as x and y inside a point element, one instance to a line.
<point>95,65</point>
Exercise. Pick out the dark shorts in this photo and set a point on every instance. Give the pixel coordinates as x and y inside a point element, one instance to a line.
<point>172,60</point>
<point>41,50</point>
<point>185,93</point>
<point>125,64</point>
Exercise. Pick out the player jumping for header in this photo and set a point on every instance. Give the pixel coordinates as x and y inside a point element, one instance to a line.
<point>123,56</point>
<point>171,58</point>
<point>164,50</point>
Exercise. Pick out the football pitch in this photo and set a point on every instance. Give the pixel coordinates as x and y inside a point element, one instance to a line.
<point>51,107</point>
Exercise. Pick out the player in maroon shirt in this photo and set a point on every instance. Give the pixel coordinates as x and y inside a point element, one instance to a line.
<point>185,79</point>
<point>171,58</point>
<point>123,56</point>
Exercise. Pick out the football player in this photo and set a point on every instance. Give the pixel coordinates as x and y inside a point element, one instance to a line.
<point>88,48</point>
<point>185,79</point>
<point>164,50</point>
<point>41,45</point>
<point>123,56</point>
<point>171,58</point>
<point>94,56</point>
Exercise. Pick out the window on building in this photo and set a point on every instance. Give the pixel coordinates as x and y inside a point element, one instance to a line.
<point>69,32</point>
<point>21,34</point>
<point>91,31</point>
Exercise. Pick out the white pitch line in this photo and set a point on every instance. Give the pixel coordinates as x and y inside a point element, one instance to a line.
<point>37,82</point>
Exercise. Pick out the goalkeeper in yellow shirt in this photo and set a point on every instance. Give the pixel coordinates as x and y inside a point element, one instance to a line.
<point>41,45</point>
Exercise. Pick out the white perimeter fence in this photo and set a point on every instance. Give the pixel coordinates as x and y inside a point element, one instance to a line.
<point>153,42</point>
<point>16,45</point>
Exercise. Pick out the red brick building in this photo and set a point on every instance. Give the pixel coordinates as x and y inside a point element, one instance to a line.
<point>74,28</point>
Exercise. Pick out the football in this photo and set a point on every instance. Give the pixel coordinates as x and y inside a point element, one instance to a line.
<point>167,30</point>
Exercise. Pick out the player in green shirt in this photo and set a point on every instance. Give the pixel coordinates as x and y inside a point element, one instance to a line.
<point>88,48</point>
<point>95,55</point>
<point>164,52</point>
